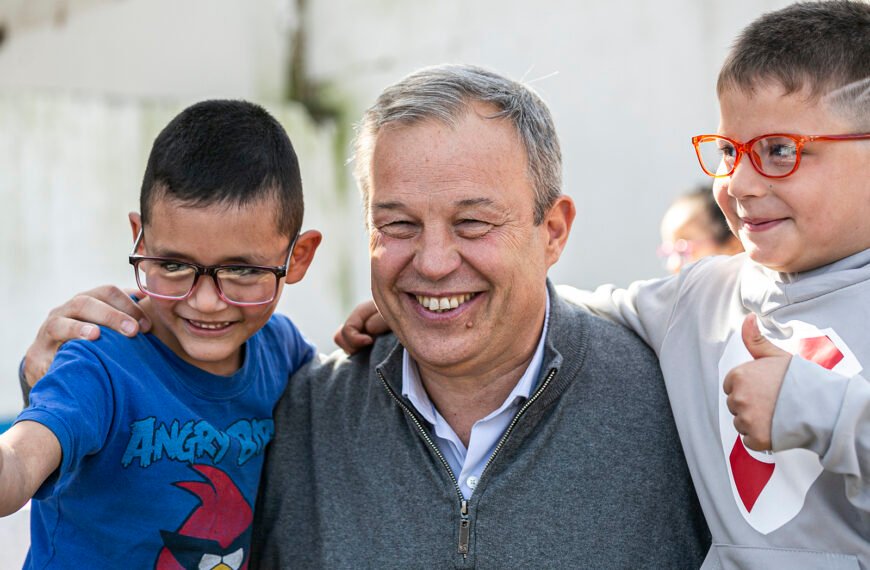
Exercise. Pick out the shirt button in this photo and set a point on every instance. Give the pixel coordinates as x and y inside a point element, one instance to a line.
<point>471,482</point>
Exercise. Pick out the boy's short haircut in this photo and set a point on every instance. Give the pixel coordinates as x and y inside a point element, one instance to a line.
<point>225,152</point>
<point>822,48</point>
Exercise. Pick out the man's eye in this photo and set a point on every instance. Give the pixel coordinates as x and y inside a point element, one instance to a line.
<point>399,229</point>
<point>473,228</point>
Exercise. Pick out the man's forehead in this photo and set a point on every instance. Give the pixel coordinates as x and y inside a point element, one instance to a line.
<point>480,184</point>
<point>459,203</point>
<point>474,152</point>
<point>478,162</point>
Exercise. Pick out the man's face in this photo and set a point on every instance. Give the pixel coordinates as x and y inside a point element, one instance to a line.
<point>817,215</point>
<point>203,329</point>
<point>458,266</point>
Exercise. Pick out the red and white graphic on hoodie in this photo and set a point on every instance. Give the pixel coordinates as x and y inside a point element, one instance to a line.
<point>770,488</point>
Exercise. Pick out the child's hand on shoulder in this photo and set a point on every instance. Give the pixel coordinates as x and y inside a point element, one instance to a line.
<point>360,328</point>
<point>79,318</point>
<point>753,387</point>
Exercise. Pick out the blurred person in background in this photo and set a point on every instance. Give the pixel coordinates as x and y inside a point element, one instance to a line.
<point>694,227</point>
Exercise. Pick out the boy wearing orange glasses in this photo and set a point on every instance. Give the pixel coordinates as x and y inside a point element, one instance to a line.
<point>147,451</point>
<point>775,424</point>
<point>764,353</point>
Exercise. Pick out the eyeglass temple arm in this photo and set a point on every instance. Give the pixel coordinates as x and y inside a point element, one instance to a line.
<point>138,241</point>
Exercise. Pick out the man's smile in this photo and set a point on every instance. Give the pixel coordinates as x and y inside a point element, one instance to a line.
<point>445,303</point>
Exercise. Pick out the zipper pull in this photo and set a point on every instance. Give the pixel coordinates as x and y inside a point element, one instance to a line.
<point>464,528</point>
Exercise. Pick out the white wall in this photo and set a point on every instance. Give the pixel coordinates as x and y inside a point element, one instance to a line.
<point>628,82</point>
<point>188,49</point>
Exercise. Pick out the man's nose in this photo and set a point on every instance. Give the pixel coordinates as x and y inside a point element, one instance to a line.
<point>437,255</point>
<point>205,297</point>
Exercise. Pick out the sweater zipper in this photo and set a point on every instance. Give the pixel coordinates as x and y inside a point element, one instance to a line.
<point>517,417</point>
<point>464,521</point>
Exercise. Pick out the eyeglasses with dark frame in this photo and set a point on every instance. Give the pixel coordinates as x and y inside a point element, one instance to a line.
<point>774,156</point>
<point>236,283</point>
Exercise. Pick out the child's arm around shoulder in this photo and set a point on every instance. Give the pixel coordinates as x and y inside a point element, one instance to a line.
<point>645,306</point>
<point>362,325</point>
<point>29,453</point>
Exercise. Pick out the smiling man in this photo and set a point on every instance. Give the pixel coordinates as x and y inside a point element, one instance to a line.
<point>499,427</point>
<point>451,217</point>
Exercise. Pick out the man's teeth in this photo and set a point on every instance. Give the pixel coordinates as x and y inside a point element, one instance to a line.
<point>439,304</point>
<point>210,326</point>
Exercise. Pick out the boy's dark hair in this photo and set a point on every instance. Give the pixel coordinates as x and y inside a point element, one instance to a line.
<point>225,152</point>
<point>818,46</point>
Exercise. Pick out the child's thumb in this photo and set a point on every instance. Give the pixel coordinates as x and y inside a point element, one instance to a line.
<point>756,344</point>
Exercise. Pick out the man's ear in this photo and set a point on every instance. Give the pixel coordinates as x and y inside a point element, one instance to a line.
<point>303,254</point>
<point>135,223</point>
<point>558,223</point>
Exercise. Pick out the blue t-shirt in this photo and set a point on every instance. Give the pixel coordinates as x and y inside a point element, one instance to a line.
<point>161,460</point>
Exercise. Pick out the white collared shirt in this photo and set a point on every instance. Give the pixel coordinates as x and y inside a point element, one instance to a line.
<point>467,464</point>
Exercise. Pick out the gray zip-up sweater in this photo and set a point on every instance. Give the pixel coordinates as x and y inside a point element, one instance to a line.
<point>589,475</point>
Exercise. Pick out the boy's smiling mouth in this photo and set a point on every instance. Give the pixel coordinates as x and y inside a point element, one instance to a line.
<point>760,224</point>
<point>209,326</point>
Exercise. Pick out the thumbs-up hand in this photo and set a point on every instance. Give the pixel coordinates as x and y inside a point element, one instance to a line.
<point>753,386</point>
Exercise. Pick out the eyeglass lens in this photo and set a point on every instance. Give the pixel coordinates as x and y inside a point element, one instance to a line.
<point>174,279</point>
<point>775,155</point>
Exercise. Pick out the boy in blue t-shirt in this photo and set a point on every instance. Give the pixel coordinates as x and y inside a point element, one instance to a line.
<point>146,451</point>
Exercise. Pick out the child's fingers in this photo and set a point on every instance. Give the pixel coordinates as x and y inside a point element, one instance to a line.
<point>112,307</point>
<point>99,307</point>
<point>134,292</point>
<point>376,325</point>
<point>350,339</point>
<point>80,318</point>
<point>361,325</point>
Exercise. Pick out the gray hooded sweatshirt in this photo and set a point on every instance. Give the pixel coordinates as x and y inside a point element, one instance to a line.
<point>807,504</point>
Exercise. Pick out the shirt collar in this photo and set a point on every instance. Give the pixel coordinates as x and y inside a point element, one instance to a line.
<point>412,386</point>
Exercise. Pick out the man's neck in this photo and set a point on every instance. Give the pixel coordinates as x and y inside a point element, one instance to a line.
<point>464,393</point>
<point>464,399</point>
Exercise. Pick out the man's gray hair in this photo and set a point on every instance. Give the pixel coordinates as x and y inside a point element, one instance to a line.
<point>445,93</point>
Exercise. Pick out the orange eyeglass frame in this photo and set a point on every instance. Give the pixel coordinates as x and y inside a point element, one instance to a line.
<point>744,148</point>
